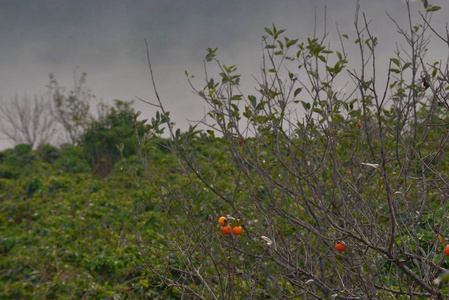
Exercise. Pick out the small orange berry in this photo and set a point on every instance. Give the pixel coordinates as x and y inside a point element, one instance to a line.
<point>359,124</point>
<point>222,221</point>
<point>446,250</point>
<point>226,229</point>
<point>237,230</point>
<point>240,142</point>
<point>340,246</point>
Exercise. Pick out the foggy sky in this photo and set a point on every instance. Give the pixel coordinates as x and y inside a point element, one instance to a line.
<point>106,40</point>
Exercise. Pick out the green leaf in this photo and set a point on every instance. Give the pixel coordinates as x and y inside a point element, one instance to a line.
<point>396,61</point>
<point>268,31</point>
<point>345,36</point>
<point>434,72</point>
<point>305,105</point>
<point>281,45</point>
<point>340,57</point>
<point>277,33</point>
<point>297,91</point>
<point>433,8</point>
<point>291,76</point>
<point>211,133</point>
<point>313,74</point>
<point>425,3</point>
<point>253,100</point>
<point>290,42</point>
<point>394,70</point>
<point>406,66</point>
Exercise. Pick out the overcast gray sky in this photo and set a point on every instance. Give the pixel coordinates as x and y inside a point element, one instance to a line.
<point>105,38</point>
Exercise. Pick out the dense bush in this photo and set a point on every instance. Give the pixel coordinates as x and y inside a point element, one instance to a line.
<point>72,159</point>
<point>48,153</point>
<point>68,235</point>
<point>102,136</point>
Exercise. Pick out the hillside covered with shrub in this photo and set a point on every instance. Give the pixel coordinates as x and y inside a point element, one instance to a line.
<point>336,176</point>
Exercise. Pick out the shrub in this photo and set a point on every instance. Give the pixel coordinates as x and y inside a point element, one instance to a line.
<point>31,186</point>
<point>48,153</point>
<point>7,172</point>
<point>72,159</point>
<point>363,167</point>
<point>101,138</point>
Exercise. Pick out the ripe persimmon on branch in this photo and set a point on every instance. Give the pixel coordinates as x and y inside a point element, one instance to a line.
<point>342,191</point>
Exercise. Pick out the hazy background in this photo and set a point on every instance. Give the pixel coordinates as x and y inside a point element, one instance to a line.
<point>105,38</point>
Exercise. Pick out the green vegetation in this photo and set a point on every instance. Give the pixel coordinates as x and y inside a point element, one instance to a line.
<point>341,194</point>
<point>66,234</point>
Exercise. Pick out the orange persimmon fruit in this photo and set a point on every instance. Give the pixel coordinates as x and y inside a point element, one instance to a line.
<point>222,221</point>
<point>226,229</point>
<point>237,230</point>
<point>340,246</point>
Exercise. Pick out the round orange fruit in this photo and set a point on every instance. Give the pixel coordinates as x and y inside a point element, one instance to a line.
<point>237,230</point>
<point>446,250</point>
<point>340,246</point>
<point>226,229</point>
<point>222,221</point>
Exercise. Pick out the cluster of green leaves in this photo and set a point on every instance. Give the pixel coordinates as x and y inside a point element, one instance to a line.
<point>103,134</point>
<point>66,234</point>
